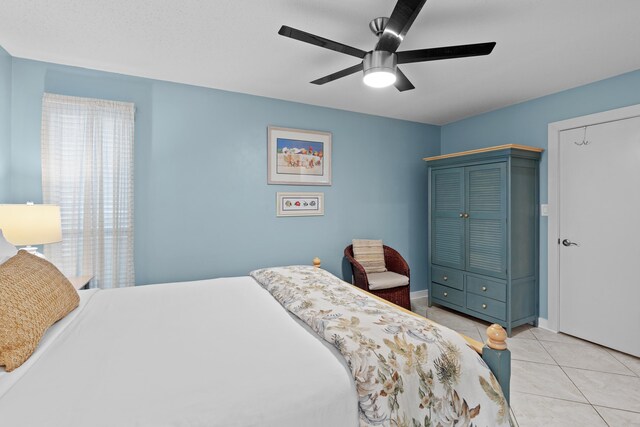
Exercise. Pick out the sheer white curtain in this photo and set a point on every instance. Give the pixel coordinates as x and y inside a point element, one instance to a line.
<point>87,169</point>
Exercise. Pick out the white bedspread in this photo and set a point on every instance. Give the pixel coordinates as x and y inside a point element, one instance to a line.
<point>217,352</point>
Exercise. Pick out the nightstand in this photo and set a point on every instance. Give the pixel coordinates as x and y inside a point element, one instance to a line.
<point>80,282</point>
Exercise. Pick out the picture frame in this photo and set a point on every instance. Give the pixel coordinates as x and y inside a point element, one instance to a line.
<point>298,157</point>
<point>299,204</point>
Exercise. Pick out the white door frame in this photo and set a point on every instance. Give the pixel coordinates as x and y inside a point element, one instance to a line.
<point>553,149</point>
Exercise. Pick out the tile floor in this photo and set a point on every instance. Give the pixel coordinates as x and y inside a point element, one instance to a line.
<point>559,380</point>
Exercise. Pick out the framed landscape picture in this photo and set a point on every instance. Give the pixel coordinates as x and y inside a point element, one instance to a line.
<point>299,204</point>
<point>298,157</point>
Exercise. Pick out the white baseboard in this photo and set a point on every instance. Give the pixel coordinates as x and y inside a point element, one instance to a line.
<point>544,324</point>
<point>419,294</point>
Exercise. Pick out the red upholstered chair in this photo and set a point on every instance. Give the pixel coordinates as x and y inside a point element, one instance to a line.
<point>395,264</point>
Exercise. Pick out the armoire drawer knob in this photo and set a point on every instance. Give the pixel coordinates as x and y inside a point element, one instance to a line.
<point>445,294</point>
<point>445,278</point>
<point>484,288</point>
<point>484,305</point>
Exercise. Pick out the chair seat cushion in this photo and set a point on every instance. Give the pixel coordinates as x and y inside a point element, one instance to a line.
<point>386,280</point>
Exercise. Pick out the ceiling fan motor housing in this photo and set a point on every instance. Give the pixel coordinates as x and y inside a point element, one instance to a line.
<point>379,61</point>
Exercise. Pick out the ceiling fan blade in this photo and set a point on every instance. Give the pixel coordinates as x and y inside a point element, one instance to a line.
<point>438,53</point>
<point>402,82</point>
<point>303,36</point>
<point>399,23</point>
<point>338,74</point>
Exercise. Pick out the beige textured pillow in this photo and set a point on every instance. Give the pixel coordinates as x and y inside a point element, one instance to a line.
<point>370,254</point>
<point>34,295</point>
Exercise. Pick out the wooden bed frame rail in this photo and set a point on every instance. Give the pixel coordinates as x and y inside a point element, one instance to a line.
<point>494,352</point>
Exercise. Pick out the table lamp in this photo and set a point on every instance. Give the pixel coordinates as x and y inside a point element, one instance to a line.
<point>30,224</point>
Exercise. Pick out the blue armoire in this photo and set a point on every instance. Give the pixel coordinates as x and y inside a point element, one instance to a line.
<point>484,233</point>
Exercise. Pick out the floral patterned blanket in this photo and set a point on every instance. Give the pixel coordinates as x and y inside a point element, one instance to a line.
<point>408,371</point>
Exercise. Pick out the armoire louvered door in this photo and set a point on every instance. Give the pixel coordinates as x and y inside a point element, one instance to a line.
<point>486,222</point>
<point>484,232</point>
<point>448,204</point>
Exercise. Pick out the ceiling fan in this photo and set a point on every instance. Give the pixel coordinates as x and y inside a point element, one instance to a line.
<point>380,65</point>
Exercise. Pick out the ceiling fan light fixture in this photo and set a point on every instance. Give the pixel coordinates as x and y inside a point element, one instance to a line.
<point>379,78</point>
<point>379,69</point>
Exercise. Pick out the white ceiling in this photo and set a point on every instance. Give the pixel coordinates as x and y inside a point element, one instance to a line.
<point>543,46</point>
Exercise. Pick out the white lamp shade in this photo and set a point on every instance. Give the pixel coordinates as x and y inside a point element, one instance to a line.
<point>31,224</point>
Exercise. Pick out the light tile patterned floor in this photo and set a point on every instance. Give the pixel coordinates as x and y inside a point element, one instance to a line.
<point>559,380</point>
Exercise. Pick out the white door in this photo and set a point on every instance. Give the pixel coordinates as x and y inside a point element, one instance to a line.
<point>600,234</point>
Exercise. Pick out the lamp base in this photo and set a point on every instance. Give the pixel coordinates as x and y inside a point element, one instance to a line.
<point>33,250</point>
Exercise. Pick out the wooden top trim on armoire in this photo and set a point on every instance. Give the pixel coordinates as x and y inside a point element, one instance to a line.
<point>485,150</point>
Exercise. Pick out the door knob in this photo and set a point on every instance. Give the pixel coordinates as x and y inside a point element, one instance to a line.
<point>466,215</point>
<point>461,215</point>
<point>568,242</point>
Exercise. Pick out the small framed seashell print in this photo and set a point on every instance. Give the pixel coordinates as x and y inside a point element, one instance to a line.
<point>299,204</point>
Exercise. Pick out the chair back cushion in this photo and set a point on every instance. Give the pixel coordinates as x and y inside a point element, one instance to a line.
<point>370,254</point>
<point>34,295</point>
<point>386,280</point>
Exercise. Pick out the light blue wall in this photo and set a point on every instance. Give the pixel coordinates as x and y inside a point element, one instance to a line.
<point>526,124</point>
<point>5,123</point>
<point>202,205</point>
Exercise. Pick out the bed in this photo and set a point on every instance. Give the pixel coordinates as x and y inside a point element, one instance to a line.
<point>283,347</point>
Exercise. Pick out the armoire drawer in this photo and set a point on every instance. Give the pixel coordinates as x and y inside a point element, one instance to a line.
<point>487,288</point>
<point>445,293</point>
<point>447,277</point>
<point>487,306</point>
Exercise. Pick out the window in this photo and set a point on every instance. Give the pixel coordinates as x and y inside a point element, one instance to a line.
<point>87,169</point>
